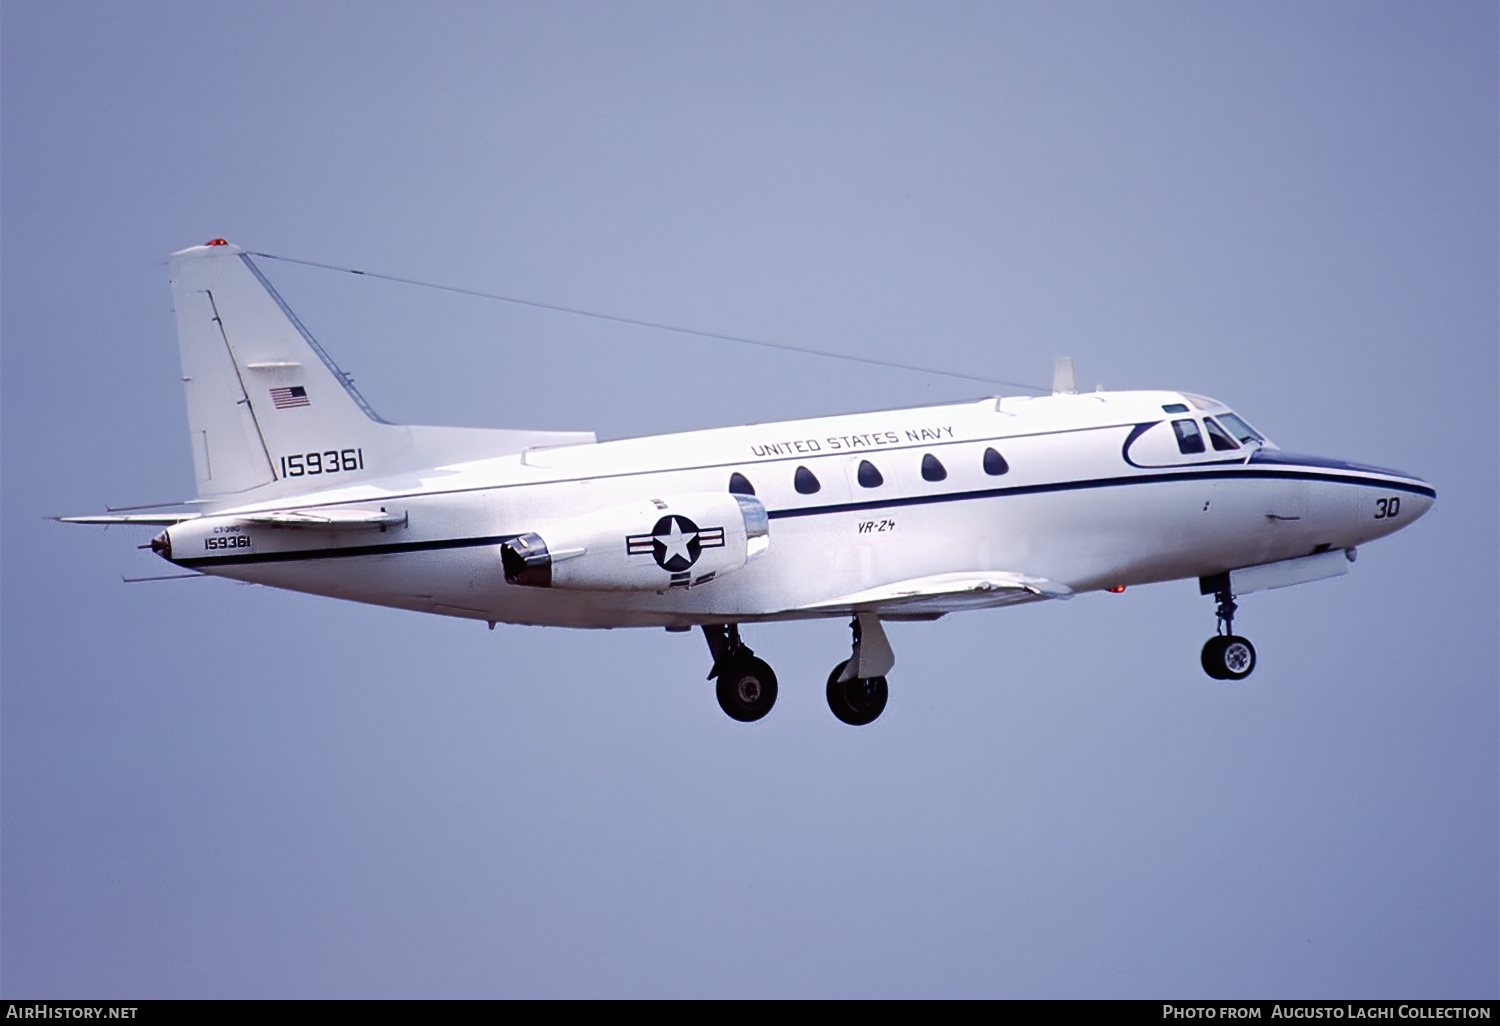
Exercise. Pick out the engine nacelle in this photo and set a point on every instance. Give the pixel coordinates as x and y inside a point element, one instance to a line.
<point>673,542</point>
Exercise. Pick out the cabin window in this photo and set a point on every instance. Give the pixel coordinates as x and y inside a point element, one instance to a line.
<point>805,481</point>
<point>869,475</point>
<point>994,463</point>
<point>739,484</point>
<point>1175,407</point>
<point>1189,438</point>
<point>1221,441</point>
<point>933,469</point>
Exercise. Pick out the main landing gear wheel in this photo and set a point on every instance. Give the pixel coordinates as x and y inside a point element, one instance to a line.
<point>856,701</point>
<point>1228,657</point>
<point>747,689</point>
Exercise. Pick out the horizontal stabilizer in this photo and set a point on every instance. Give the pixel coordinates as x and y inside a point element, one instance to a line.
<point>947,593</point>
<point>144,519</point>
<point>327,519</point>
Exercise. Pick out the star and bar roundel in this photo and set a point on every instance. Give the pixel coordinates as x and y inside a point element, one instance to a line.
<point>675,542</point>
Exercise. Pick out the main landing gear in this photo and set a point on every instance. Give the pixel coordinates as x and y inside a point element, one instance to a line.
<point>1226,656</point>
<point>747,685</point>
<point>857,690</point>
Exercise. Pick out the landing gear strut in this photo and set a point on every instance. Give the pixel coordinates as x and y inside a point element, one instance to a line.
<point>857,690</point>
<point>1226,656</point>
<point>747,686</point>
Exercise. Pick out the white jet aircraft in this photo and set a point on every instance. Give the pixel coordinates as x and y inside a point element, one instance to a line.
<point>898,515</point>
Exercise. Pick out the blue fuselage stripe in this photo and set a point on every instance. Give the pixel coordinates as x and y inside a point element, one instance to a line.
<point>344,552</point>
<point>1102,482</point>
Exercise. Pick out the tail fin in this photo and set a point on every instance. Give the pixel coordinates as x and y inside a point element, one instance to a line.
<point>271,414</point>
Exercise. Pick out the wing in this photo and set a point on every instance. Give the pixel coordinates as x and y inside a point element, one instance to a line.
<point>945,593</point>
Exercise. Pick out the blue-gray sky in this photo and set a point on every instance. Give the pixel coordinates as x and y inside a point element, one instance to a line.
<point>218,790</point>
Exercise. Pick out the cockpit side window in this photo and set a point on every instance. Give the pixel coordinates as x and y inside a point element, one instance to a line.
<point>1189,438</point>
<point>1221,441</point>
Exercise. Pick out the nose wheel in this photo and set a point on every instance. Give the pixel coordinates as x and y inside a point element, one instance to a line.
<point>1226,656</point>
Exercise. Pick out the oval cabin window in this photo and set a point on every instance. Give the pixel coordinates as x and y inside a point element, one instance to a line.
<point>869,475</point>
<point>739,484</point>
<point>933,469</point>
<point>805,481</point>
<point>994,463</point>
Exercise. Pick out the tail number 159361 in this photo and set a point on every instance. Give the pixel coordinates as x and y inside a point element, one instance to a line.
<point>330,461</point>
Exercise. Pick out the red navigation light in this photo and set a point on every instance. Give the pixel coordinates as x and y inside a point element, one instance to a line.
<point>217,242</point>
<point>1116,589</point>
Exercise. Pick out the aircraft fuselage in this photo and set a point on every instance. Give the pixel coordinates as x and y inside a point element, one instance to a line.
<point>1075,505</point>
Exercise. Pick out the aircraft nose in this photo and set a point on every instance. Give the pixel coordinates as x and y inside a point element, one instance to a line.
<point>1419,498</point>
<point>1393,498</point>
<point>1401,500</point>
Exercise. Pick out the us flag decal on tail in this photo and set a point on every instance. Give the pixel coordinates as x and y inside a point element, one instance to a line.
<point>286,398</point>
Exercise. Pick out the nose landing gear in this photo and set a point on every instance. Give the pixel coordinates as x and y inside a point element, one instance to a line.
<point>1226,656</point>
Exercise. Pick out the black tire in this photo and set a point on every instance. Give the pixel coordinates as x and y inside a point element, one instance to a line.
<point>1228,657</point>
<point>1212,657</point>
<point>857,701</point>
<point>747,689</point>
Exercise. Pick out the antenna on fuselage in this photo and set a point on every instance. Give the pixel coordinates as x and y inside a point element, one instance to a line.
<point>1064,380</point>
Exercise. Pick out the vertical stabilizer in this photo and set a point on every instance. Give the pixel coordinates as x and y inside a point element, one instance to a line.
<point>258,386</point>
<point>271,414</point>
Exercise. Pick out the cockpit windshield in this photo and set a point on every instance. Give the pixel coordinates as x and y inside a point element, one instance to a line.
<point>1239,429</point>
<point>1222,442</point>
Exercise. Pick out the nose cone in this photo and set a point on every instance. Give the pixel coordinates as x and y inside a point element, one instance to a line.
<point>162,545</point>
<point>1398,507</point>
<point>1387,500</point>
